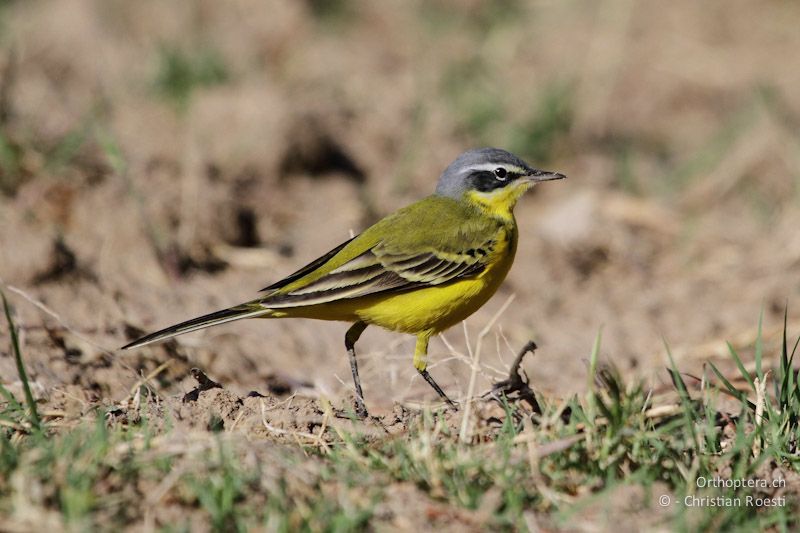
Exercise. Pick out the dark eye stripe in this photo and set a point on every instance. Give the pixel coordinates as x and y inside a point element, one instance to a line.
<point>487,181</point>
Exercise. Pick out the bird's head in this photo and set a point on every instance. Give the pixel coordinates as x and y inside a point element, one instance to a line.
<point>491,178</point>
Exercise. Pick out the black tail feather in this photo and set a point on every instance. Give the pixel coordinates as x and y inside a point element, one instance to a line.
<point>211,319</point>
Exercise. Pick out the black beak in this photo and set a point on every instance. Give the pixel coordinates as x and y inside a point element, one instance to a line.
<point>545,175</point>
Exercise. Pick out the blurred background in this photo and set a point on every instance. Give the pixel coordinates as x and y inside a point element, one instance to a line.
<point>159,160</point>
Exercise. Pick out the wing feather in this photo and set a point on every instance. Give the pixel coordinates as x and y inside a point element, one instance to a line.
<point>394,256</point>
<point>382,273</point>
<point>342,279</point>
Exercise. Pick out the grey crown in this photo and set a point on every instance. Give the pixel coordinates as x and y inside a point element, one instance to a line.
<point>454,180</point>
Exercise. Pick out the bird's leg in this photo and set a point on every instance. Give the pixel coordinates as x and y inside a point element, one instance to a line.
<point>350,339</point>
<point>421,364</point>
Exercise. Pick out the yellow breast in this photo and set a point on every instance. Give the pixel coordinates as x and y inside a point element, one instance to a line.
<point>435,309</point>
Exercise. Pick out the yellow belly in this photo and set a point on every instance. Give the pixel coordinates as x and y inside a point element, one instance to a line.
<point>432,309</point>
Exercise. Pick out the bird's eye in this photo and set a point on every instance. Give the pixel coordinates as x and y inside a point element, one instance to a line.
<point>500,173</point>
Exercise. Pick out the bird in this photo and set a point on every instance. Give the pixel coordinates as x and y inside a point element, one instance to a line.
<point>419,270</point>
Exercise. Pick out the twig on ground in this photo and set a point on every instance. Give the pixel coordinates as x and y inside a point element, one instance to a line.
<point>160,368</point>
<point>663,410</point>
<point>235,421</point>
<point>287,401</point>
<point>761,395</point>
<point>517,381</point>
<point>317,440</point>
<point>536,453</point>
<point>204,384</point>
<point>14,425</point>
<point>160,491</point>
<point>463,435</point>
<point>42,307</point>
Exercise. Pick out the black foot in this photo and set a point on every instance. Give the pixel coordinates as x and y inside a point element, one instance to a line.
<point>361,409</point>
<point>438,389</point>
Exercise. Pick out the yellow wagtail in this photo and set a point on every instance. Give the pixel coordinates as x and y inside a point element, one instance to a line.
<point>420,270</point>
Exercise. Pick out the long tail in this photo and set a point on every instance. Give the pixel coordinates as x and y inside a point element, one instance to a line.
<point>211,319</point>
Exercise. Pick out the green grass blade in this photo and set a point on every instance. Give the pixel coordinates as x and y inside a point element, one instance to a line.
<point>733,391</point>
<point>590,399</point>
<point>786,372</point>
<point>742,370</point>
<point>791,370</point>
<point>606,412</point>
<point>12,401</point>
<point>7,419</point>
<point>690,414</point>
<point>594,355</point>
<point>36,422</point>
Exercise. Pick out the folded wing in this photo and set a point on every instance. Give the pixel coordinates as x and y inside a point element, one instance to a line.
<point>379,271</point>
<point>432,242</point>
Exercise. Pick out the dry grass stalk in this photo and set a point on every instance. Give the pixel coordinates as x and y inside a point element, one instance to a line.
<point>464,433</point>
<point>761,397</point>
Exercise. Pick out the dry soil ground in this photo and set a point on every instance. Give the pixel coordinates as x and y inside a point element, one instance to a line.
<point>162,160</point>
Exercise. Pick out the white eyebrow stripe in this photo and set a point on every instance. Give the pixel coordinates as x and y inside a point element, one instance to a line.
<point>514,169</point>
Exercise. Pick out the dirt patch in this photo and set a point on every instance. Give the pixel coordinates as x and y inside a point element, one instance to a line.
<point>158,162</point>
